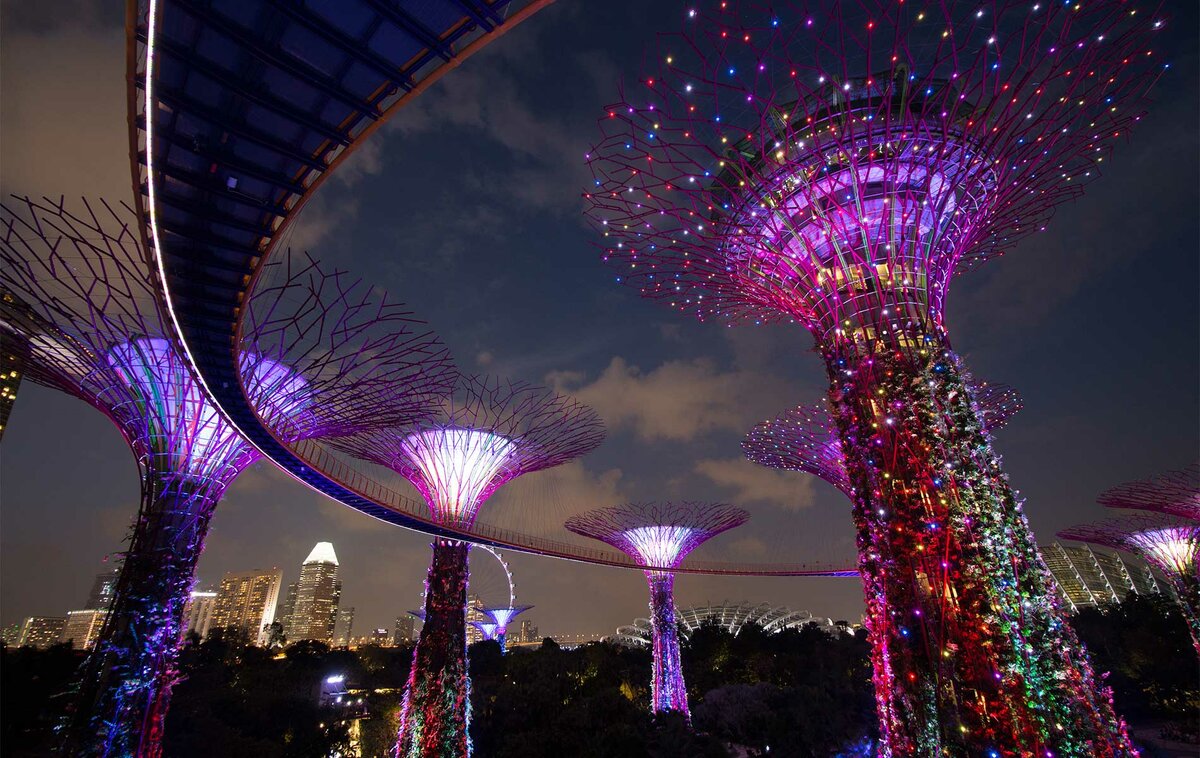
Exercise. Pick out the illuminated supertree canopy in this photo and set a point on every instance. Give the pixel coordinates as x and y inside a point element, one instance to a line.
<point>835,165</point>
<point>805,438</point>
<point>499,619</point>
<point>658,536</point>
<point>85,310</point>
<point>1174,492</point>
<point>1170,543</point>
<point>486,433</point>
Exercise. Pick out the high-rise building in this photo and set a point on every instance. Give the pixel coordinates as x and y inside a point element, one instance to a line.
<point>343,627</point>
<point>318,594</point>
<point>474,613</point>
<point>82,627</point>
<point>245,603</point>
<point>12,366</point>
<point>284,616</point>
<point>378,637</point>
<point>10,635</point>
<point>1086,577</point>
<point>198,613</point>
<point>406,630</point>
<point>41,631</point>
<point>103,590</point>
<point>528,631</point>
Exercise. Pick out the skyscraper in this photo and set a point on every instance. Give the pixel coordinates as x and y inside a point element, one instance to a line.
<point>41,631</point>
<point>11,635</point>
<point>343,627</point>
<point>284,616</point>
<point>245,603</point>
<point>474,613</point>
<point>529,631</point>
<point>317,596</point>
<point>406,630</point>
<point>82,627</point>
<point>102,590</point>
<point>198,613</point>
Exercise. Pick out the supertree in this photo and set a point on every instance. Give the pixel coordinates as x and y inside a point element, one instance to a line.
<point>1176,493</point>
<point>1170,543</point>
<point>835,165</point>
<point>805,439</point>
<point>486,433</point>
<point>86,313</point>
<point>496,626</point>
<point>658,536</point>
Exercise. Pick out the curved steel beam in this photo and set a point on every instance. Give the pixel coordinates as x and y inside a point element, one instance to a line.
<point>238,112</point>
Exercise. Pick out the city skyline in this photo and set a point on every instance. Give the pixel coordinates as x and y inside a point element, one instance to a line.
<point>274,519</point>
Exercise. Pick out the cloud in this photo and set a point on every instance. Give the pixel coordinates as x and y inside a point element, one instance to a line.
<point>539,503</point>
<point>757,484</point>
<point>319,220</point>
<point>50,78</point>
<point>678,401</point>
<point>1048,270</point>
<point>545,159</point>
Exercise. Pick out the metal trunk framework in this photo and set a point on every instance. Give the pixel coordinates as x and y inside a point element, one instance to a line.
<point>486,433</point>
<point>83,306</point>
<point>835,165</point>
<point>658,536</point>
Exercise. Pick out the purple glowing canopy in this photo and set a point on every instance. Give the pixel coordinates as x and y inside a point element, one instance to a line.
<point>658,535</point>
<point>1176,493</point>
<point>321,354</point>
<point>326,354</point>
<point>806,439</point>
<point>489,629</point>
<point>1170,543</point>
<point>790,161</point>
<point>81,302</point>
<point>86,310</point>
<point>486,433</point>
<point>502,616</point>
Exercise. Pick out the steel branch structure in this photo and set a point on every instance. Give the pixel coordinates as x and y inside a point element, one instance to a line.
<point>1176,493</point>
<point>658,536</point>
<point>805,438</point>
<point>835,165</point>
<point>487,433</point>
<point>1169,543</point>
<point>81,301</point>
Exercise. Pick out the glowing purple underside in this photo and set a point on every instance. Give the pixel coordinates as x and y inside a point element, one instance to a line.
<point>182,424</point>
<point>659,546</point>
<point>456,469</point>
<point>1174,549</point>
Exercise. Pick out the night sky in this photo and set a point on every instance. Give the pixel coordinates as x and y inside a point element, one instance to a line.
<point>467,207</point>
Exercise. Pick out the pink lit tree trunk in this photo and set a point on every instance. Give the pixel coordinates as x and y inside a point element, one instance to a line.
<point>436,711</point>
<point>125,684</point>
<point>668,692</point>
<point>972,654</point>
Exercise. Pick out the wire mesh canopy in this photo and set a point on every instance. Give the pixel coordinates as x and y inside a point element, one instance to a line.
<point>836,164</point>
<point>1170,543</point>
<point>1173,492</point>
<point>805,438</point>
<point>658,535</point>
<point>486,433</point>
